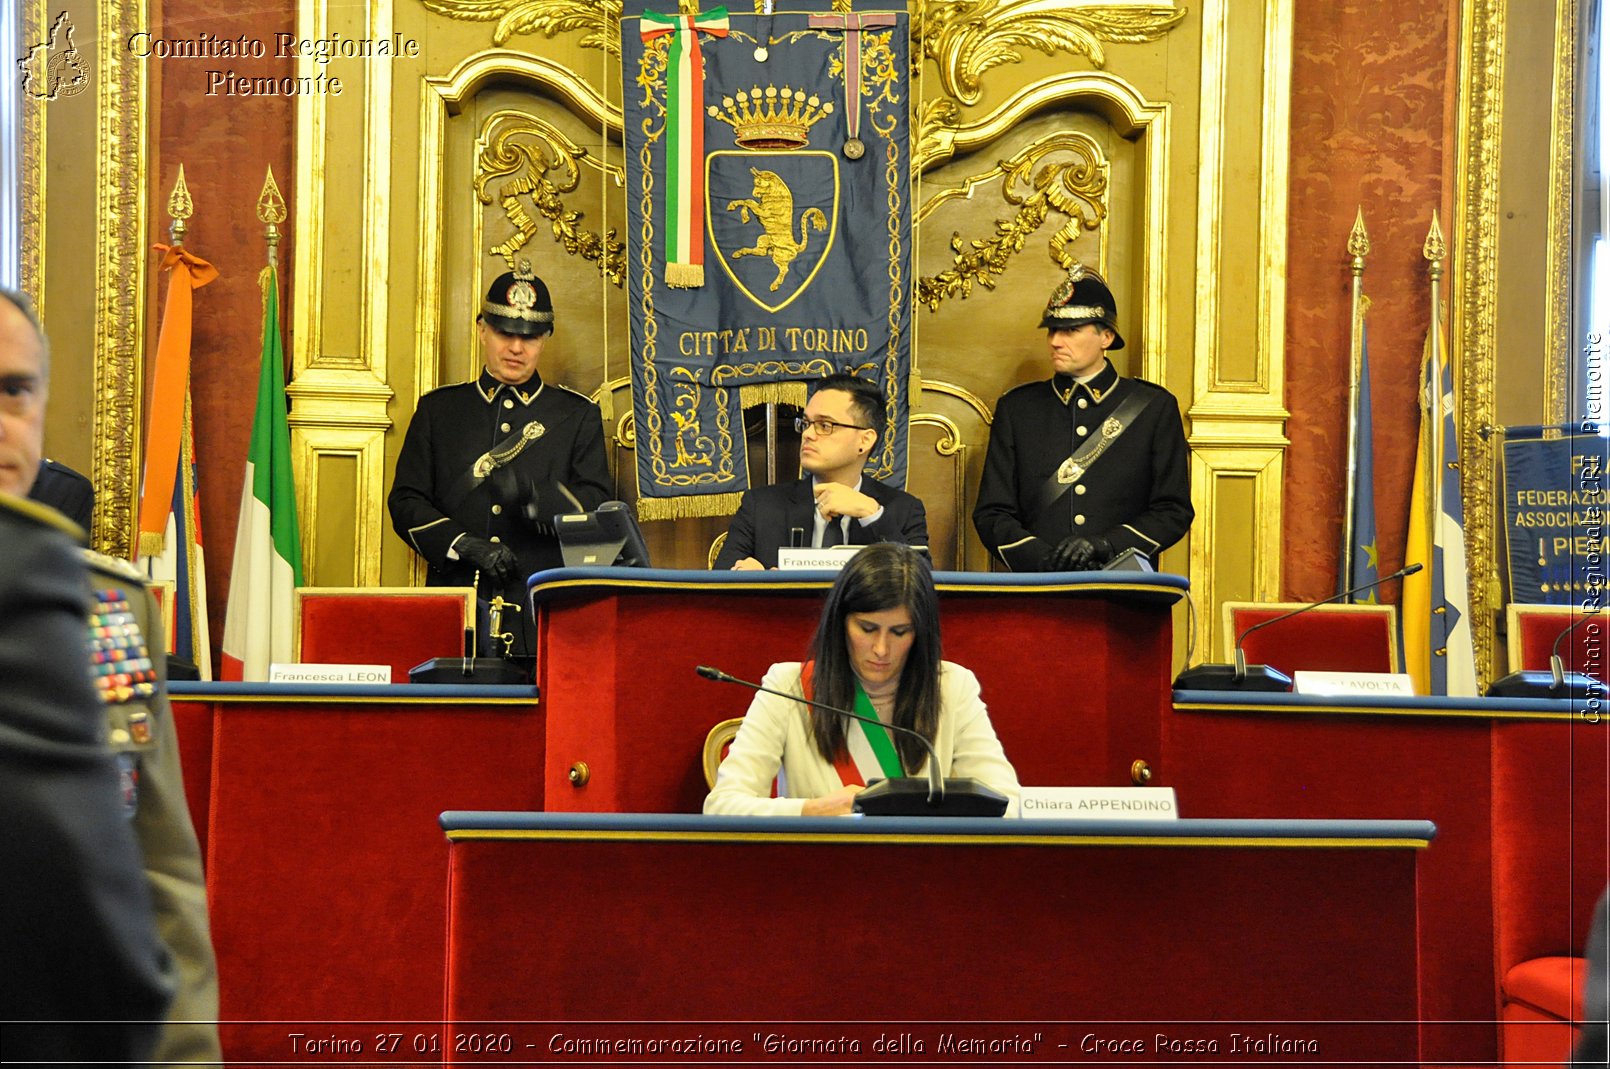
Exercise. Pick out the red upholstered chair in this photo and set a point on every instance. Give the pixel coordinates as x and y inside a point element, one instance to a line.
<point>1331,638</point>
<point>1533,629</point>
<point>1551,860</point>
<point>399,626</point>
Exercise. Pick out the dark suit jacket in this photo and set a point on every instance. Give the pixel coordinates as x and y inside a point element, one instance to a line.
<point>78,937</point>
<point>767,514</point>
<point>64,490</point>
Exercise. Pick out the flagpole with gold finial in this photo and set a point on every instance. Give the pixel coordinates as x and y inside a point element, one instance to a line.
<point>1358,245</point>
<point>180,207</point>
<point>271,213</point>
<point>1435,249</point>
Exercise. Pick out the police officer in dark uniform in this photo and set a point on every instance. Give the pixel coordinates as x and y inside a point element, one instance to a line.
<point>64,490</point>
<point>478,480</point>
<point>1088,464</point>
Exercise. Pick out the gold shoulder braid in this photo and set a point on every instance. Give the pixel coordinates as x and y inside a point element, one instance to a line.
<point>507,450</point>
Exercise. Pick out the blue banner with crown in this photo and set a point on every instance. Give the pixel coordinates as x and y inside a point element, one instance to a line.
<point>769,221</point>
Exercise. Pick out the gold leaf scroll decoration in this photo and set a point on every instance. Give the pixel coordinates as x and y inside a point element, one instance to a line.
<point>966,38</point>
<point>532,163</point>
<point>598,20</point>
<point>1065,173</point>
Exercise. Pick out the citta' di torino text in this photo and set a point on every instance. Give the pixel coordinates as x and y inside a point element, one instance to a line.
<point>279,46</point>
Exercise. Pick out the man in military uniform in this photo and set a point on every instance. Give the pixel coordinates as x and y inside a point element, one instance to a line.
<point>124,635</point>
<point>478,480</point>
<point>1088,464</point>
<point>78,939</point>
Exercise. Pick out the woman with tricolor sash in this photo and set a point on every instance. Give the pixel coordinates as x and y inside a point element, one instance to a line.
<point>876,652</point>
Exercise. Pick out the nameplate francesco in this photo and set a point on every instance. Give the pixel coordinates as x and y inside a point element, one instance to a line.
<point>831,559</point>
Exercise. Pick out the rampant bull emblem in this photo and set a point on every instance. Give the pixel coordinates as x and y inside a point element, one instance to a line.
<point>786,225</point>
<point>773,206</point>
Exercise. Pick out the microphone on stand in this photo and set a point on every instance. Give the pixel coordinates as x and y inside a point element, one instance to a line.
<point>1554,683</point>
<point>1260,677</point>
<point>904,796</point>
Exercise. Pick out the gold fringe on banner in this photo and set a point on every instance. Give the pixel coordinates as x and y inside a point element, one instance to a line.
<point>151,544</point>
<point>695,506</point>
<point>773,393</point>
<point>684,276</point>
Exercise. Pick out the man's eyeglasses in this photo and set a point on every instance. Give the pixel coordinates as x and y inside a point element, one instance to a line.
<point>823,427</point>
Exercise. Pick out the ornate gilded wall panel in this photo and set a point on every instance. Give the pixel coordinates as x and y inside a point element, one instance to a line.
<point>1474,306</point>
<point>340,524</point>
<point>120,272</point>
<point>1041,134</point>
<point>341,308</point>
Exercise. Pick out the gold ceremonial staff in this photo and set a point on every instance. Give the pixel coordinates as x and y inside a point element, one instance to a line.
<point>271,213</point>
<point>1435,249</point>
<point>1358,244</point>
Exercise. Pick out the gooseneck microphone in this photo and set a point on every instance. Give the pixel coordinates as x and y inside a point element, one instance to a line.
<point>901,796</point>
<point>1260,677</point>
<point>1554,683</point>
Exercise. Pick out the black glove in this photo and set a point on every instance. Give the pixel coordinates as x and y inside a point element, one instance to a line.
<point>1079,554</point>
<point>493,559</point>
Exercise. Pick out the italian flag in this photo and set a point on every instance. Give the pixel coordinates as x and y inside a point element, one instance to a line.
<point>258,624</point>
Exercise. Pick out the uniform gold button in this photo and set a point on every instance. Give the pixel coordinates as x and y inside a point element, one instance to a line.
<point>503,426</point>
<point>507,403</point>
<point>495,538</point>
<point>1082,431</point>
<point>497,510</point>
<point>120,737</point>
<point>1083,403</point>
<point>1080,520</point>
<point>1077,489</point>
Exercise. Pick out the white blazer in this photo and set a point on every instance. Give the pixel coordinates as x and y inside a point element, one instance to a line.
<point>776,735</point>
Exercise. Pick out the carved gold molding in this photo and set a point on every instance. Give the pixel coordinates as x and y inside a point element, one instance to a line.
<point>598,20</point>
<point>121,272</point>
<point>1559,347</point>
<point>966,38</point>
<point>516,152</point>
<point>32,171</point>
<point>1475,296</point>
<point>1075,188</point>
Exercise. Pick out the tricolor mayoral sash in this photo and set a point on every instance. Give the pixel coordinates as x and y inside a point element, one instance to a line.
<point>768,174</point>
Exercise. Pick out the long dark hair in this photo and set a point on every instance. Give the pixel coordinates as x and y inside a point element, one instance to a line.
<point>884,575</point>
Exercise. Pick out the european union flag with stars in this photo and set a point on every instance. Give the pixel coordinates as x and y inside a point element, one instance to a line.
<point>769,222</point>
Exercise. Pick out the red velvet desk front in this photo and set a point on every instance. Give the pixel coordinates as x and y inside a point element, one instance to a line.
<point>323,859</point>
<point>1464,763</point>
<point>1074,669</point>
<point>1189,929</point>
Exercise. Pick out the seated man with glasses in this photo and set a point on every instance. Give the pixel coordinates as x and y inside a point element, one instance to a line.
<point>835,504</point>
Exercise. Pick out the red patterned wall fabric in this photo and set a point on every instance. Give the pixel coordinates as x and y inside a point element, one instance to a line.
<point>1372,125</point>
<point>226,140</point>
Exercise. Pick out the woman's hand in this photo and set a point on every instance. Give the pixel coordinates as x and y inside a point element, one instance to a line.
<point>833,805</point>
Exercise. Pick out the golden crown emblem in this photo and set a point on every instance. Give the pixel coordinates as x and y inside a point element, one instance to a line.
<point>771,118</point>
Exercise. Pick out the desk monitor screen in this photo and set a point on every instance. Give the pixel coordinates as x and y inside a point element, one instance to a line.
<point>607,536</point>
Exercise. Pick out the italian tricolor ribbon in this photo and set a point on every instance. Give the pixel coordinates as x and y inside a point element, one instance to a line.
<point>869,752</point>
<point>684,140</point>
